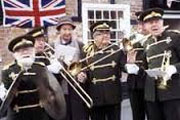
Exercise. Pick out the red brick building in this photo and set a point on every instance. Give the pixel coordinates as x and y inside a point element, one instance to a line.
<point>73,8</point>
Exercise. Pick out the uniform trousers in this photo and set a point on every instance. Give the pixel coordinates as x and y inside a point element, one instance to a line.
<point>164,110</point>
<point>137,102</point>
<point>76,108</point>
<point>108,112</point>
<point>28,114</point>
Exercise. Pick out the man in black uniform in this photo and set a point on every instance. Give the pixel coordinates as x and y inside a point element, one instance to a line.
<point>45,53</point>
<point>34,95</point>
<point>135,55</point>
<point>103,78</point>
<point>39,45</point>
<point>163,57</point>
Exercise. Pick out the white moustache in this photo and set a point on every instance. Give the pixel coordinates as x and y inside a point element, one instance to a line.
<point>26,62</point>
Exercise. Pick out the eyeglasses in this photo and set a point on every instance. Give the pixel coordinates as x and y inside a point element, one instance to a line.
<point>99,33</point>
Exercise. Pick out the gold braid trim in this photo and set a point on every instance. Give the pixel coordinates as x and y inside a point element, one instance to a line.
<point>89,49</point>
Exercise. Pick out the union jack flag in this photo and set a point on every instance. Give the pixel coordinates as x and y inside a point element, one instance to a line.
<point>32,13</point>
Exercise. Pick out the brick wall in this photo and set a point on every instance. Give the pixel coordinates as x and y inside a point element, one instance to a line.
<point>6,34</point>
<point>136,5</point>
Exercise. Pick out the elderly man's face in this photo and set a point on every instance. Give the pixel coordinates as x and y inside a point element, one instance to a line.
<point>66,32</point>
<point>25,56</point>
<point>39,44</point>
<point>154,26</point>
<point>102,38</point>
<point>141,28</point>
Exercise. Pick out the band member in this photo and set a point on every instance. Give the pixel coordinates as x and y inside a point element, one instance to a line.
<point>140,33</point>
<point>103,78</point>
<point>39,45</point>
<point>135,55</point>
<point>163,57</point>
<point>35,94</point>
<point>43,53</point>
<point>69,49</point>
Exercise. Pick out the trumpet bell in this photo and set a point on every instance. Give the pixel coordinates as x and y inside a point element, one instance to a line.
<point>163,85</point>
<point>75,68</point>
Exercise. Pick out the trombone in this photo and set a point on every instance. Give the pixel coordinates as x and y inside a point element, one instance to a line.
<point>72,82</point>
<point>76,67</point>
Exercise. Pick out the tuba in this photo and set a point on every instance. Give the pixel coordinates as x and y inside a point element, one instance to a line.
<point>165,63</point>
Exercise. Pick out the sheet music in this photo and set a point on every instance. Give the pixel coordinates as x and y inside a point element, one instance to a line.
<point>156,72</point>
<point>66,53</point>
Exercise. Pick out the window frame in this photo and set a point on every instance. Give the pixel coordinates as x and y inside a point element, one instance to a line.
<point>109,7</point>
<point>78,18</point>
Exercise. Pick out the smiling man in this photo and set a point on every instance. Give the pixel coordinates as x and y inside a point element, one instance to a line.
<point>69,49</point>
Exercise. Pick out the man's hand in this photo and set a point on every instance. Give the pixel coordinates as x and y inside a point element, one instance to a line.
<point>82,77</point>
<point>170,70</point>
<point>2,91</point>
<point>55,66</point>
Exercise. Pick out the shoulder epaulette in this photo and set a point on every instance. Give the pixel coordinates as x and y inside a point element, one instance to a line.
<point>175,31</point>
<point>87,48</point>
<point>40,63</point>
<point>8,65</point>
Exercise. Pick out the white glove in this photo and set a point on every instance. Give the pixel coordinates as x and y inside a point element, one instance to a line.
<point>132,69</point>
<point>170,70</point>
<point>2,91</point>
<point>55,66</point>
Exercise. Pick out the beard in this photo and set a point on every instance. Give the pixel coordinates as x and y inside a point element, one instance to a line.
<point>25,61</point>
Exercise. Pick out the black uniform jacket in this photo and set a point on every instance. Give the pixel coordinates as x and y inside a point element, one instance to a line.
<point>155,48</point>
<point>104,84</point>
<point>37,89</point>
<point>41,57</point>
<point>138,81</point>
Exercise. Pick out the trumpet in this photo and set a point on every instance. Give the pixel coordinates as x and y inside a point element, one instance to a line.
<point>71,81</point>
<point>165,63</point>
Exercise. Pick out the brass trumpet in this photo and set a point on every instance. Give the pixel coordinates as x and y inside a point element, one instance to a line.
<point>72,82</point>
<point>165,63</point>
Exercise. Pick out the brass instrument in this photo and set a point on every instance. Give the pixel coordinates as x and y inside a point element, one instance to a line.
<point>76,67</point>
<point>48,51</point>
<point>73,83</point>
<point>127,44</point>
<point>164,65</point>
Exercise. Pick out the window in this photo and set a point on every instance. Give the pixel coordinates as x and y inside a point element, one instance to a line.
<point>118,14</point>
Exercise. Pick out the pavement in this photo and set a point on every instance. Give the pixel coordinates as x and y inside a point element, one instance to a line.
<point>126,113</point>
